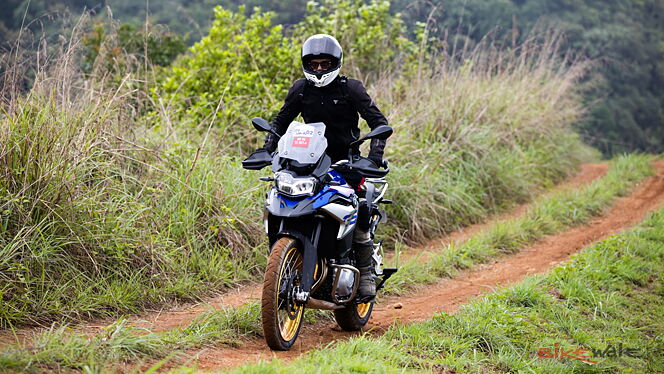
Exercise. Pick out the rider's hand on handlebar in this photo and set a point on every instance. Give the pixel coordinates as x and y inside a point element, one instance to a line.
<point>379,162</point>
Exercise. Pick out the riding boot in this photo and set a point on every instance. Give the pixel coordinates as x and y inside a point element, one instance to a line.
<point>363,253</point>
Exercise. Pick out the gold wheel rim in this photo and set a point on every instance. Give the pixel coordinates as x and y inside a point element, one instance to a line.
<point>288,326</point>
<point>363,309</point>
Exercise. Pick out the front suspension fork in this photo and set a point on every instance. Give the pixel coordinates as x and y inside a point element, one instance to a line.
<point>310,260</point>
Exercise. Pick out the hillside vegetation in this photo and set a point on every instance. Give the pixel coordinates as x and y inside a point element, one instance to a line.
<point>623,90</point>
<point>122,188</point>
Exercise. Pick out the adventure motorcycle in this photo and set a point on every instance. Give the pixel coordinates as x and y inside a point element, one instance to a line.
<point>310,215</point>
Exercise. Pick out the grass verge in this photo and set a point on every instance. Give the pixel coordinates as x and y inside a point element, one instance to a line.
<point>60,348</point>
<point>546,216</point>
<point>597,313</point>
<point>119,342</point>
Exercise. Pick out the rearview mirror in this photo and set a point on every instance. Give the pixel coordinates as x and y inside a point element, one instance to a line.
<point>260,124</point>
<point>381,132</point>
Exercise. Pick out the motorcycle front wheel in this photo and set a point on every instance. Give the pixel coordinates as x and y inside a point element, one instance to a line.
<point>281,317</point>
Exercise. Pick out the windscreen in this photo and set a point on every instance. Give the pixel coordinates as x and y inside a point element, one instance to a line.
<point>304,143</point>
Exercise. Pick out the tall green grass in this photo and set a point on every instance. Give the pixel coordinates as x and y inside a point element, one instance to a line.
<point>473,137</point>
<point>105,211</point>
<point>98,218</point>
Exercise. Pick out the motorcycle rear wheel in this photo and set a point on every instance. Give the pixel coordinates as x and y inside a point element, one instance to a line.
<point>354,317</point>
<point>281,317</point>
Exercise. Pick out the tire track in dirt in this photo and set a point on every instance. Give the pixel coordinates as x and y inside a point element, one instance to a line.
<point>179,316</point>
<point>449,294</point>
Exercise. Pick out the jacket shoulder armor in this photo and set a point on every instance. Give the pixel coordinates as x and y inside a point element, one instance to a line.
<point>299,85</point>
<point>354,83</point>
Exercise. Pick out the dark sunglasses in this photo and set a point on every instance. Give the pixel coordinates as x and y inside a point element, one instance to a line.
<point>323,65</point>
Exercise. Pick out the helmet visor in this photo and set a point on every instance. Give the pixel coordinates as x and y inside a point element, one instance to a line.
<point>321,46</point>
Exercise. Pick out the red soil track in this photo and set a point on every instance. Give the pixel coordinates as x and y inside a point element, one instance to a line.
<point>449,294</point>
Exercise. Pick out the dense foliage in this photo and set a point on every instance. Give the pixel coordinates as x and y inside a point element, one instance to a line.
<point>191,19</point>
<point>625,91</point>
<point>159,47</point>
<point>242,67</point>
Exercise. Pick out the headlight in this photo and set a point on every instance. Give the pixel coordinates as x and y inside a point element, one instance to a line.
<point>288,185</point>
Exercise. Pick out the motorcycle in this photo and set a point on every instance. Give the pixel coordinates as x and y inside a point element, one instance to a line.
<point>309,217</point>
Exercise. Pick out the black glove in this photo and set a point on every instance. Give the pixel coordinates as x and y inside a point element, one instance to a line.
<point>376,160</point>
<point>271,142</point>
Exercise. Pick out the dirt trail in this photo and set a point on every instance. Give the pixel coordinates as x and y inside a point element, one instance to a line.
<point>449,294</point>
<point>179,316</point>
<point>166,320</point>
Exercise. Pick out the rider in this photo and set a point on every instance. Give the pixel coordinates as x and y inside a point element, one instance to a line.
<point>325,96</point>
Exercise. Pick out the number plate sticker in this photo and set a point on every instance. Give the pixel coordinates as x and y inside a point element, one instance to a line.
<point>301,141</point>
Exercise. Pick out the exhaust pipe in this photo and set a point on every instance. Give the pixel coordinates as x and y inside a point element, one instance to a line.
<point>322,304</point>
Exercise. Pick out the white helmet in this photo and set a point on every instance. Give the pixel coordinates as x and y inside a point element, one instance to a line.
<point>317,47</point>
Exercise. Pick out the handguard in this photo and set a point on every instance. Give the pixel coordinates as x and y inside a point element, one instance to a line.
<point>257,160</point>
<point>368,168</point>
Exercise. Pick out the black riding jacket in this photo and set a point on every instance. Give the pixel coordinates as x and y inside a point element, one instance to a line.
<point>336,105</point>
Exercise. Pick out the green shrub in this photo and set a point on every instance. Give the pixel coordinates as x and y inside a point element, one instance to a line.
<point>243,68</point>
<point>116,50</point>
